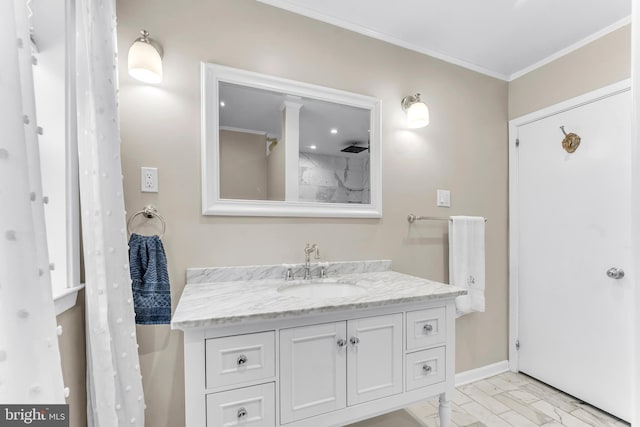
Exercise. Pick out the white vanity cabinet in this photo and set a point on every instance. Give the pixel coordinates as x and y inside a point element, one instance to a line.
<point>321,370</point>
<point>256,356</point>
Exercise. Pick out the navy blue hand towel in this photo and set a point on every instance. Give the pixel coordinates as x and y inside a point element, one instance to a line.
<point>150,280</point>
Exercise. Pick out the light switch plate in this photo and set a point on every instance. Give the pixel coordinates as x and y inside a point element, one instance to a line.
<point>149,180</point>
<point>444,198</point>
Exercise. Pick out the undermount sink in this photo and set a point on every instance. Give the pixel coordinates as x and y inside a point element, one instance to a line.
<point>322,289</point>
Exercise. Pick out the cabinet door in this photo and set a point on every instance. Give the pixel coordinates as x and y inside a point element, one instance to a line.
<point>312,370</point>
<point>374,358</point>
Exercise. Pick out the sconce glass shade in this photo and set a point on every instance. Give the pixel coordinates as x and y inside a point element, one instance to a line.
<point>417,111</point>
<point>418,115</point>
<point>145,60</point>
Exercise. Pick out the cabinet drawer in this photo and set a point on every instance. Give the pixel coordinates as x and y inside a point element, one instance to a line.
<point>426,328</point>
<point>425,368</point>
<point>247,407</point>
<point>238,359</point>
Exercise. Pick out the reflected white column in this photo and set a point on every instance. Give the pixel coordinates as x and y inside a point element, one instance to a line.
<point>291,137</point>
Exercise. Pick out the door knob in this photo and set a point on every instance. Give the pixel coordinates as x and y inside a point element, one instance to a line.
<point>615,273</point>
<point>341,343</point>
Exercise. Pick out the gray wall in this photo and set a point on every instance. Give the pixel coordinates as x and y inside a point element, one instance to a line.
<point>598,64</point>
<point>161,128</point>
<point>72,352</point>
<point>464,150</point>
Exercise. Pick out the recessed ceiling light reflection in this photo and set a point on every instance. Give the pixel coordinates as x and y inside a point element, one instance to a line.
<point>222,103</point>
<point>313,147</point>
<point>334,131</point>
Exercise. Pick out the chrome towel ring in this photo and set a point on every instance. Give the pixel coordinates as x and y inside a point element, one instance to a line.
<point>149,212</point>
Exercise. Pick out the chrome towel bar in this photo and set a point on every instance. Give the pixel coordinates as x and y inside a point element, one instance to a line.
<point>413,218</point>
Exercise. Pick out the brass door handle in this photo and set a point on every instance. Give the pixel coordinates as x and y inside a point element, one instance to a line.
<point>615,273</point>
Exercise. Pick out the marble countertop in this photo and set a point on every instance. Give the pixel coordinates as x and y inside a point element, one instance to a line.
<point>205,304</point>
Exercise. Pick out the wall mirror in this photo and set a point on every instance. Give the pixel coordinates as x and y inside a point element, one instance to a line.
<point>278,147</point>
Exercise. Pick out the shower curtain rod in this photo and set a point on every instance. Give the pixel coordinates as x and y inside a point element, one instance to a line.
<point>412,218</point>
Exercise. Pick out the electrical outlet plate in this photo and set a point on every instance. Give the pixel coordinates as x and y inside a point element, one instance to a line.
<point>149,180</point>
<point>444,198</point>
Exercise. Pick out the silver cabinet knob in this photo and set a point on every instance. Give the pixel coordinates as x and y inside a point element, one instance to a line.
<point>341,343</point>
<point>426,369</point>
<point>615,273</point>
<point>354,340</point>
<point>242,360</point>
<point>242,413</point>
<point>428,328</point>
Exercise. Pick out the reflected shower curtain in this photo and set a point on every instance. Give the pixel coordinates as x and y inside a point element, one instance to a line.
<point>30,370</point>
<point>114,385</point>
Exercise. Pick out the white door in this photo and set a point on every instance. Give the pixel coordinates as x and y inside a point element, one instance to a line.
<point>574,225</point>
<point>313,367</point>
<point>374,358</point>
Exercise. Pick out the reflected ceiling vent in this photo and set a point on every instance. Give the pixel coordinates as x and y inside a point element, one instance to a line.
<point>355,149</point>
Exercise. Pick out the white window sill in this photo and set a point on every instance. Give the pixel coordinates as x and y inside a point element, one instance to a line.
<point>66,298</point>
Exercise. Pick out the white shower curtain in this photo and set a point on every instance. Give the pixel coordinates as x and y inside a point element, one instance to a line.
<point>114,386</point>
<point>30,370</point>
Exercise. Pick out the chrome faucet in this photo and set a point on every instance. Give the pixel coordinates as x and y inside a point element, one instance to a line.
<point>308,250</point>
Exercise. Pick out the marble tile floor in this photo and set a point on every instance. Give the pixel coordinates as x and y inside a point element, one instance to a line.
<point>506,400</point>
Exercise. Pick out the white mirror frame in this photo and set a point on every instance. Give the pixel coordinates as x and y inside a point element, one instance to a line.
<point>212,204</point>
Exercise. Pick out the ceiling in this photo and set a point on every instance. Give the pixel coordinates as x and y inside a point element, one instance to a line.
<point>500,38</point>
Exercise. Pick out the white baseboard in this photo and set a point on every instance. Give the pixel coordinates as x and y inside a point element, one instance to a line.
<point>481,373</point>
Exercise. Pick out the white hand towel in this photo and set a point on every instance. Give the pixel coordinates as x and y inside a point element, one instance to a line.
<point>466,261</point>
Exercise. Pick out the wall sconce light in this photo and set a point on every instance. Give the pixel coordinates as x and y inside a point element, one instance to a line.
<point>417,111</point>
<point>145,59</point>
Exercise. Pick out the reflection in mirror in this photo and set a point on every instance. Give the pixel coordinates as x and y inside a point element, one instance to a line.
<point>333,147</point>
<point>251,166</point>
<point>278,147</point>
<point>334,153</point>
